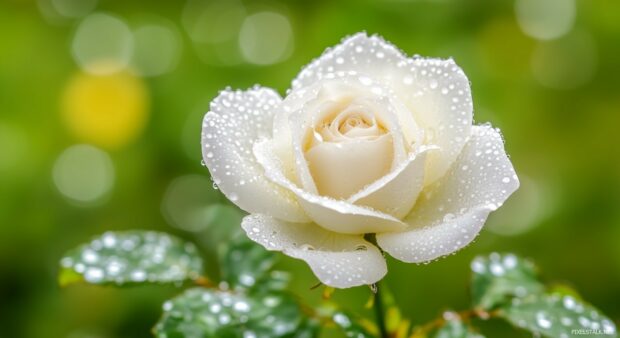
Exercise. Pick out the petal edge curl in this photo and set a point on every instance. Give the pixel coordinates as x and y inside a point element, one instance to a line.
<point>338,260</point>
<point>236,120</point>
<point>452,211</point>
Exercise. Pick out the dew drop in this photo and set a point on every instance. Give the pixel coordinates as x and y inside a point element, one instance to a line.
<point>247,280</point>
<point>93,275</point>
<point>496,269</point>
<point>89,256</point>
<point>510,261</point>
<point>566,321</point>
<point>448,217</point>
<point>241,306</point>
<point>585,322</point>
<point>306,247</point>
<point>365,80</point>
<point>608,327</point>
<point>542,320</point>
<point>342,320</point>
<point>138,276</point>
<point>66,262</point>
<point>215,308</point>
<point>477,266</point>
<point>79,268</point>
<point>569,302</point>
<point>224,318</point>
<point>114,268</point>
<point>520,291</point>
<point>109,240</point>
<point>374,288</point>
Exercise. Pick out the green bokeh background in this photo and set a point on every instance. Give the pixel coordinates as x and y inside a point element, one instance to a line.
<point>564,144</point>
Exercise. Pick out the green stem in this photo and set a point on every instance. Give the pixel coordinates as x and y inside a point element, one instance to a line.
<point>379,313</point>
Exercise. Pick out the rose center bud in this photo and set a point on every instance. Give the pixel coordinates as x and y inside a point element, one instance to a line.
<point>348,148</point>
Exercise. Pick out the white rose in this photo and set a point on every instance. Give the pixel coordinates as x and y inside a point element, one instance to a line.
<point>368,141</point>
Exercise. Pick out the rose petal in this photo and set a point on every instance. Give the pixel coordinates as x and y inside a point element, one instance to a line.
<point>435,91</point>
<point>367,91</point>
<point>338,260</point>
<point>371,58</point>
<point>335,215</point>
<point>451,212</point>
<point>369,55</point>
<point>396,193</point>
<point>341,169</point>
<point>238,119</point>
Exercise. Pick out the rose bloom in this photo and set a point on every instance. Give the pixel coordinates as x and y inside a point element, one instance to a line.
<point>367,141</point>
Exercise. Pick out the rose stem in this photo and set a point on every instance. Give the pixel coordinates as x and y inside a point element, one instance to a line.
<point>378,303</point>
<point>379,315</point>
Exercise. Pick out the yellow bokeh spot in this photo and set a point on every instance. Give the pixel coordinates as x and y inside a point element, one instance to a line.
<point>108,110</point>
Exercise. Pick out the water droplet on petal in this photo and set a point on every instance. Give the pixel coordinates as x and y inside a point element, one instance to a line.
<point>306,247</point>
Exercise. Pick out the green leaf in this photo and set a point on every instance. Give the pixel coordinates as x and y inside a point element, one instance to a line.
<point>558,316</point>
<point>209,313</point>
<point>497,278</point>
<point>131,257</point>
<point>222,224</point>
<point>309,328</point>
<point>246,264</point>
<point>353,327</point>
<point>454,327</point>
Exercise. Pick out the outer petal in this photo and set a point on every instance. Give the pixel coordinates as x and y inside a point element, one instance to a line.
<point>236,121</point>
<point>335,215</point>
<point>396,193</point>
<point>452,211</point>
<point>338,260</point>
<point>370,55</point>
<point>437,92</point>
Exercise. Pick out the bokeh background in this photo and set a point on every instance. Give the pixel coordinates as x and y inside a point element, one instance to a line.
<point>101,104</point>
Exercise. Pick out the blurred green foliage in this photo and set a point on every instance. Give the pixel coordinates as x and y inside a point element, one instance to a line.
<point>556,102</point>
